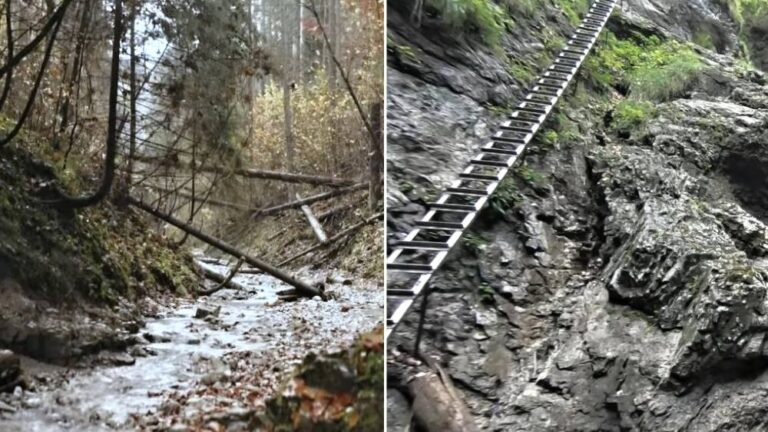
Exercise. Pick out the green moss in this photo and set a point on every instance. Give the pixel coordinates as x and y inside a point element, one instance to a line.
<point>505,198</point>
<point>703,39</point>
<point>403,51</point>
<point>549,137</point>
<point>532,177</point>
<point>521,71</point>
<point>629,115</point>
<point>523,8</point>
<point>66,256</point>
<point>483,16</point>
<point>474,243</point>
<point>651,69</point>
<point>574,10</point>
<point>485,294</point>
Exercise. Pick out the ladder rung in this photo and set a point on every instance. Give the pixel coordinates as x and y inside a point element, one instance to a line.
<point>575,51</point>
<point>394,292</point>
<point>453,207</point>
<point>422,244</point>
<point>467,191</point>
<point>580,44</point>
<point>475,176</point>
<point>503,139</point>
<point>489,163</point>
<point>494,150</point>
<point>518,129</point>
<point>410,267</point>
<point>439,225</point>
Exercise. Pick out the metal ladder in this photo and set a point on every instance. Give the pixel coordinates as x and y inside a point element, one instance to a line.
<point>425,248</point>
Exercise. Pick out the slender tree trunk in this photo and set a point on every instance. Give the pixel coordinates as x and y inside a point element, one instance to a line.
<point>376,157</point>
<point>74,76</point>
<point>133,96</point>
<point>287,76</point>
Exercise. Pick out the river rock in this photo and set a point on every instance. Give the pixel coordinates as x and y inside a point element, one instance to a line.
<point>4,407</point>
<point>205,311</point>
<point>121,360</point>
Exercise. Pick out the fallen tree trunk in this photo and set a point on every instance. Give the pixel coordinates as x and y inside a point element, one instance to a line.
<point>301,286</point>
<point>212,201</point>
<point>313,222</point>
<point>222,281</point>
<point>334,211</point>
<point>335,238</point>
<point>306,201</point>
<point>435,406</point>
<point>253,173</point>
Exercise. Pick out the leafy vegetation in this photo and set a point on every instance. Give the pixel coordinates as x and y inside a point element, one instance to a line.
<point>649,68</point>
<point>532,177</point>
<point>704,39</point>
<point>505,198</point>
<point>631,114</point>
<point>489,19</point>
<point>748,14</point>
<point>574,10</point>
<point>474,243</point>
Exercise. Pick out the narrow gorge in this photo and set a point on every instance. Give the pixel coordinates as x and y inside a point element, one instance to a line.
<point>617,279</point>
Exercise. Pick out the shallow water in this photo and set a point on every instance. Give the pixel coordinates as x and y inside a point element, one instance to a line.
<point>104,398</point>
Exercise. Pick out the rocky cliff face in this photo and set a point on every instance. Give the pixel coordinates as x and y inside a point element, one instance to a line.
<point>623,287</point>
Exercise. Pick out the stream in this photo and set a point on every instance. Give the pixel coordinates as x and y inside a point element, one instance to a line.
<point>186,352</point>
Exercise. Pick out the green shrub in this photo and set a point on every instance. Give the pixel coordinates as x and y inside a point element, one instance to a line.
<point>651,69</point>
<point>666,76</point>
<point>573,9</point>
<point>505,198</point>
<point>532,177</point>
<point>549,137</point>
<point>486,17</point>
<point>526,8</point>
<point>631,114</point>
<point>520,71</point>
<point>704,39</point>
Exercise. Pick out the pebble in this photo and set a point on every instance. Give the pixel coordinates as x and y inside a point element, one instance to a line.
<point>204,311</point>
<point>4,407</point>
<point>32,403</point>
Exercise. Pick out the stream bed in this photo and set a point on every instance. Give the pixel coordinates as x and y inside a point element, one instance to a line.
<point>253,337</point>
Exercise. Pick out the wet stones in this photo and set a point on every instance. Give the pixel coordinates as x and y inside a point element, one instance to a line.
<point>205,311</point>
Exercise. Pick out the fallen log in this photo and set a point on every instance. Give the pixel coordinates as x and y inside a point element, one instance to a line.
<point>223,282</point>
<point>340,235</point>
<point>307,201</point>
<point>313,222</point>
<point>252,173</point>
<point>211,201</point>
<point>334,211</point>
<point>436,408</point>
<point>302,287</point>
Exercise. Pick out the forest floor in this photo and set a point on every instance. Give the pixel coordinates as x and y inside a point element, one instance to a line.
<point>99,312</point>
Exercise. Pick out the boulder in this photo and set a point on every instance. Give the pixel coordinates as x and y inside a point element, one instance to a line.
<point>204,311</point>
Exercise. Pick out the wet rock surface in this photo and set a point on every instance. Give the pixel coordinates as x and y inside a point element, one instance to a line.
<point>627,290</point>
<point>182,372</point>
